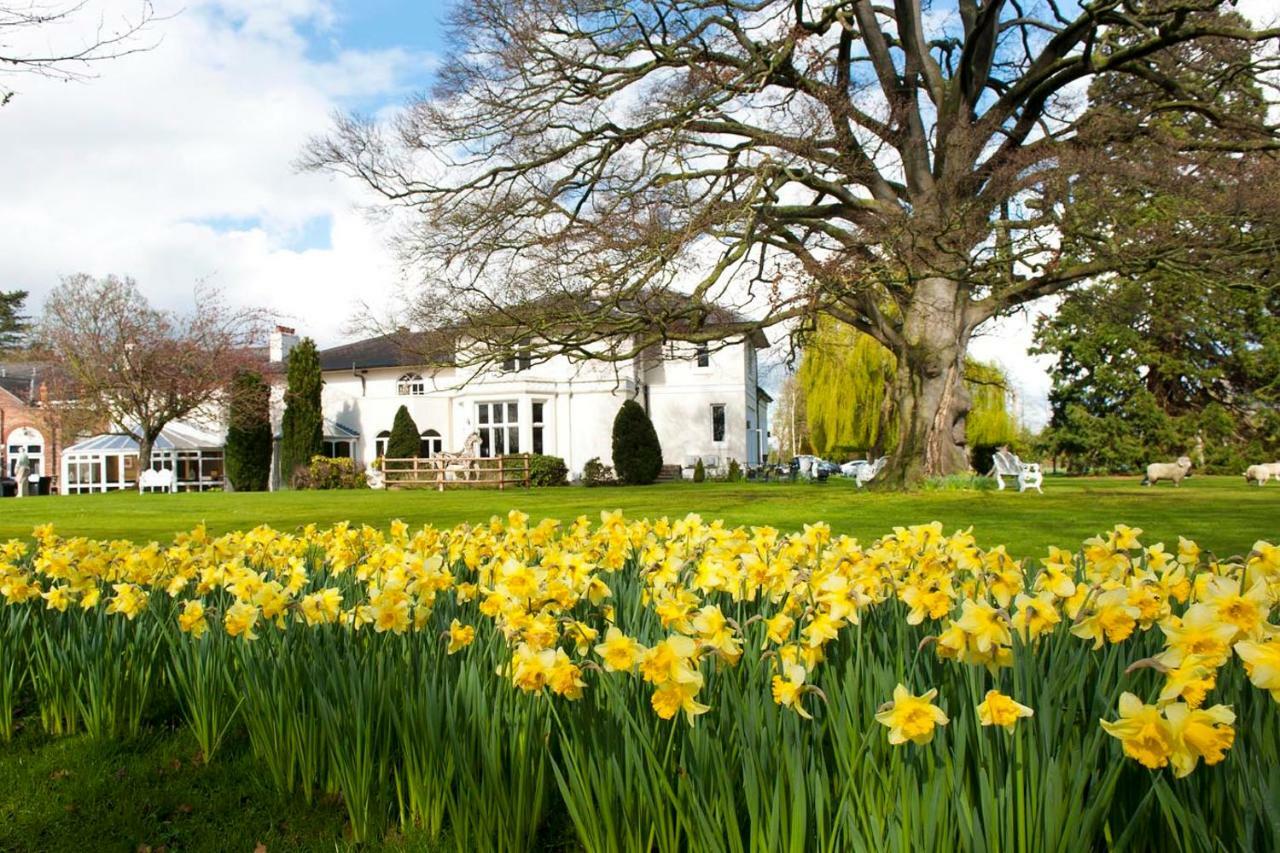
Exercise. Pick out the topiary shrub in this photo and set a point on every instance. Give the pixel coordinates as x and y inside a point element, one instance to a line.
<point>699,472</point>
<point>547,471</point>
<point>637,454</point>
<point>248,446</point>
<point>734,472</point>
<point>596,473</point>
<point>404,441</point>
<point>302,425</point>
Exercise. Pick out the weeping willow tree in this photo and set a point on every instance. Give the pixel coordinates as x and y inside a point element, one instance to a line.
<point>848,378</point>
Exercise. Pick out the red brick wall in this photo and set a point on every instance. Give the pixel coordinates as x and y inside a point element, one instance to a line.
<point>14,415</point>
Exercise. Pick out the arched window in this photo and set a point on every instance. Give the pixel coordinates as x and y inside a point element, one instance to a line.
<point>411,385</point>
<point>431,444</point>
<point>30,441</point>
<point>380,443</point>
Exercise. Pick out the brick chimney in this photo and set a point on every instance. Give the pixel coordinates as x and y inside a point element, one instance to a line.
<point>283,339</point>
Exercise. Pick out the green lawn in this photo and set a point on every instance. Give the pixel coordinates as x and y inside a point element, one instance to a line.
<point>1221,513</point>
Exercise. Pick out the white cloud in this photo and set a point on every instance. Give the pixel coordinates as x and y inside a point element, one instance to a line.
<point>175,166</point>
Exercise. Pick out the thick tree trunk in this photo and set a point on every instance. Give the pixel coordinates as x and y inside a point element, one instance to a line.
<point>146,445</point>
<point>929,391</point>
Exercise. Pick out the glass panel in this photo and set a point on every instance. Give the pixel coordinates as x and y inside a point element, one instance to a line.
<point>131,468</point>
<point>484,443</point>
<point>483,414</point>
<point>512,416</point>
<point>537,413</point>
<point>717,423</point>
<point>513,440</point>
<point>211,468</point>
<point>537,439</point>
<point>499,446</point>
<point>113,469</point>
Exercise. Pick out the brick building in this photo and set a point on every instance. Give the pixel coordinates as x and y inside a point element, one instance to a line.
<point>27,422</point>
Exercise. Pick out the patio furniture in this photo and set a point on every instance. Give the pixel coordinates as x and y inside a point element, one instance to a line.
<point>1007,464</point>
<point>869,471</point>
<point>163,479</point>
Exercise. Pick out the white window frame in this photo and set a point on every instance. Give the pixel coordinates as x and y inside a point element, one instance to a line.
<point>433,441</point>
<point>490,427</point>
<point>411,385</point>
<point>538,426</point>
<point>724,423</point>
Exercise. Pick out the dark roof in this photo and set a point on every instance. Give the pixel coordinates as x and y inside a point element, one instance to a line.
<point>22,379</point>
<point>391,350</point>
<point>404,348</point>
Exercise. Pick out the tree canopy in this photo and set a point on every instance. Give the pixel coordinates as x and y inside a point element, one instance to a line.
<point>14,324</point>
<point>1157,361</point>
<point>791,160</point>
<point>141,366</point>
<point>42,39</point>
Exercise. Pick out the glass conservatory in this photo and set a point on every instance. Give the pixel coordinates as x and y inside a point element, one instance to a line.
<point>106,463</point>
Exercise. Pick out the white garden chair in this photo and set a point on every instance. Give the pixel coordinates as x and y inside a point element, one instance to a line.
<point>1007,464</point>
<point>868,472</point>
<point>164,479</point>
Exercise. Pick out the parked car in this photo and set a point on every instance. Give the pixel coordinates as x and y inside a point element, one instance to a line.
<point>853,466</point>
<point>811,467</point>
<point>826,469</point>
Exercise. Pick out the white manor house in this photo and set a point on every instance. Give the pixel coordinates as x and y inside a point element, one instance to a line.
<point>705,402</point>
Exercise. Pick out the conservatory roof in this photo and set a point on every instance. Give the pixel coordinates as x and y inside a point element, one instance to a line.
<point>172,437</point>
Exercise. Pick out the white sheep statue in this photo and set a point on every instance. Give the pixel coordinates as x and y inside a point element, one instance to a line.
<point>1174,471</point>
<point>1261,473</point>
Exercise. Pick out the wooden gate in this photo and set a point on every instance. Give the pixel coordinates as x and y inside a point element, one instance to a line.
<point>500,472</point>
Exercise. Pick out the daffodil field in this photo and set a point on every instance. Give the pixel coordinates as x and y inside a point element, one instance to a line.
<point>682,685</point>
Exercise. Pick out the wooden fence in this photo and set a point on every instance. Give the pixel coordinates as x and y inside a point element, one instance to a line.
<point>460,473</point>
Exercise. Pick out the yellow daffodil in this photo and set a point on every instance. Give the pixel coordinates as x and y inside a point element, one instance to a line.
<point>460,636</point>
<point>618,651</point>
<point>1262,664</point>
<point>911,718</point>
<point>998,709</point>
<point>192,620</point>
<point>1199,734</point>
<point>1143,733</point>
<point>788,689</point>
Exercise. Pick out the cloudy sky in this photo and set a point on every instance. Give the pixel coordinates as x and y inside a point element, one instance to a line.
<point>174,165</point>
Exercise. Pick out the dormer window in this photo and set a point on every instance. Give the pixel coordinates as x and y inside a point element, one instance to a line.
<point>411,385</point>
<point>522,360</point>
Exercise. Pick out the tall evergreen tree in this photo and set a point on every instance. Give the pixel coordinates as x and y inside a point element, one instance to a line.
<point>404,441</point>
<point>637,453</point>
<point>1152,361</point>
<point>13,323</point>
<point>248,448</point>
<point>302,428</point>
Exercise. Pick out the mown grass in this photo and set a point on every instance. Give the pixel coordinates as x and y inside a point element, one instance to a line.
<point>1221,513</point>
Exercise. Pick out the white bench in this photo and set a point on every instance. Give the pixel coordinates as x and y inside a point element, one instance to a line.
<point>868,472</point>
<point>164,479</point>
<point>1006,464</point>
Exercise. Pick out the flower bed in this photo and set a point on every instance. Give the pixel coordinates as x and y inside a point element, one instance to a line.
<point>681,685</point>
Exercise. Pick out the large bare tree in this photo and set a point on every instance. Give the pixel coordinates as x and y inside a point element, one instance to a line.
<point>64,39</point>
<point>142,367</point>
<point>597,174</point>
